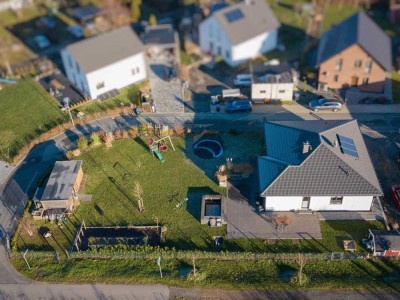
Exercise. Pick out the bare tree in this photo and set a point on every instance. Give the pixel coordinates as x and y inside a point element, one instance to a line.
<point>300,278</point>
<point>194,265</point>
<point>138,194</point>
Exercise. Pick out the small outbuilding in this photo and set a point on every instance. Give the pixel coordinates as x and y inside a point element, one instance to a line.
<point>272,83</point>
<point>161,40</point>
<point>61,191</point>
<point>384,243</point>
<point>85,14</point>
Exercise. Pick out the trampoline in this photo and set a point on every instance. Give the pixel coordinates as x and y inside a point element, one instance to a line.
<point>208,145</point>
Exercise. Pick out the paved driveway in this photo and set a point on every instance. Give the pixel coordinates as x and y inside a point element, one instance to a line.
<point>167,95</point>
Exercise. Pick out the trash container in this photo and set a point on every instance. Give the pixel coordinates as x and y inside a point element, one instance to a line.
<point>137,111</point>
<point>218,107</point>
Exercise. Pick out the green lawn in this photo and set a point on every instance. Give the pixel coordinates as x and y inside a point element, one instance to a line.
<point>334,14</point>
<point>187,59</point>
<point>346,274</point>
<point>26,111</point>
<point>9,18</point>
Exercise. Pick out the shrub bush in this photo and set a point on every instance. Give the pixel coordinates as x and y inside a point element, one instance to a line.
<point>95,139</point>
<point>82,143</point>
<point>133,131</point>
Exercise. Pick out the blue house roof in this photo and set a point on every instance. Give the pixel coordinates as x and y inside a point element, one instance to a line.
<point>286,143</point>
<point>268,170</point>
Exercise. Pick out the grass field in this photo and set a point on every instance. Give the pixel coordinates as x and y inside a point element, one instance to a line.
<point>26,111</point>
<point>346,274</point>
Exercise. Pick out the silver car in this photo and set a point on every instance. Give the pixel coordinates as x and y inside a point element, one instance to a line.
<point>321,104</point>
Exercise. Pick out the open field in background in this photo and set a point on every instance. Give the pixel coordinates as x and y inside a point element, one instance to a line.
<point>26,111</point>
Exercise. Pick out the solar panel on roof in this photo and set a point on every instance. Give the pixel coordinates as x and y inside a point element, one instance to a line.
<point>234,15</point>
<point>345,139</point>
<point>347,146</point>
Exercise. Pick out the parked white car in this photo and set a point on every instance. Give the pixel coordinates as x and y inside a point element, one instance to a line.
<point>243,80</point>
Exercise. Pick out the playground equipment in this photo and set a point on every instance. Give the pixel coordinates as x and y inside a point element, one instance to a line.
<point>157,146</point>
<point>5,80</point>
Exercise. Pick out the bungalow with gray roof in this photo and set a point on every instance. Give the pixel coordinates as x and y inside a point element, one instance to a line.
<point>316,165</point>
<point>239,32</point>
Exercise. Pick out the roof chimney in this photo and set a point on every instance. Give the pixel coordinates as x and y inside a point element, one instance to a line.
<point>335,143</point>
<point>306,147</point>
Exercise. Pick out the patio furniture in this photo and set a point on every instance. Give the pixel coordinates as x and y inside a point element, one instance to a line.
<point>282,223</point>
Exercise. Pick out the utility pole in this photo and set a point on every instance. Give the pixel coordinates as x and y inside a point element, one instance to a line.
<point>67,107</point>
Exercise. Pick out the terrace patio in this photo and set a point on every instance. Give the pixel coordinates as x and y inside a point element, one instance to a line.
<point>244,221</point>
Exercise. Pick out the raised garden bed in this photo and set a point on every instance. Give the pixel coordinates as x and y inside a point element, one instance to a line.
<point>100,237</point>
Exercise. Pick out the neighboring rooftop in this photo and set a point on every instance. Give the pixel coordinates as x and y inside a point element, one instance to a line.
<point>85,13</point>
<point>272,73</point>
<point>386,240</point>
<point>159,35</point>
<point>100,51</point>
<point>316,158</point>
<point>357,29</point>
<point>245,20</point>
<point>62,179</point>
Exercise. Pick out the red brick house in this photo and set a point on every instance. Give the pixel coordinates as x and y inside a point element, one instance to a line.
<point>354,53</point>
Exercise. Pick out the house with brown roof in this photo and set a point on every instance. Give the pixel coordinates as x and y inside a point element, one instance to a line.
<point>354,53</point>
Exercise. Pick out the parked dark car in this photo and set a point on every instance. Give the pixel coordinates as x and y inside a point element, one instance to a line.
<point>396,195</point>
<point>238,106</point>
<point>324,104</point>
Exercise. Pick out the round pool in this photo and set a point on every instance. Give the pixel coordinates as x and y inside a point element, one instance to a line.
<point>208,148</point>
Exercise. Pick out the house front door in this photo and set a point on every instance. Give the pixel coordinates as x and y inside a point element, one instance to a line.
<point>354,80</point>
<point>305,204</point>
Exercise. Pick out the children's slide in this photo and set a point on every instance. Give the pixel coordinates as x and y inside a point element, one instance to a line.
<point>159,156</point>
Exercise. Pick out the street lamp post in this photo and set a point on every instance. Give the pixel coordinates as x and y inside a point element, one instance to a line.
<point>67,107</point>
<point>29,267</point>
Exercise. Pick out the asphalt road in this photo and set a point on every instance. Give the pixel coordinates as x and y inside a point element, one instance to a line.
<point>14,192</point>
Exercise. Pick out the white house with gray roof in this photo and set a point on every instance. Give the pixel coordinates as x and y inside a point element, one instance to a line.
<point>318,166</point>
<point>239,32</point>
<point>105,63</point>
